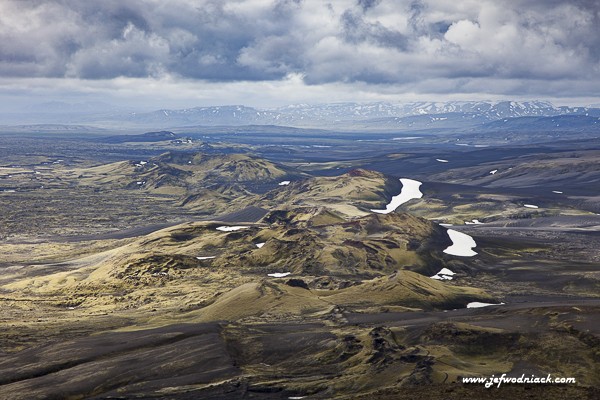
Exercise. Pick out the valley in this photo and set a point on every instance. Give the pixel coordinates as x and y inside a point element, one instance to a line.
<point>264,264</point>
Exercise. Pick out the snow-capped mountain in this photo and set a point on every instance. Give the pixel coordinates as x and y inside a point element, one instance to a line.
<point>344,114</point>
<point>211,116</point>
<point>351,116</point>
<point>488,110</point>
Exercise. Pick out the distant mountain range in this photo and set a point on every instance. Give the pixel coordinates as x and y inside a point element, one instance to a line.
<point>346,115</point>
<point>351,116</point>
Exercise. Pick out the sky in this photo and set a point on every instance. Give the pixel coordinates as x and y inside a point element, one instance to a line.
<point>266,53</point>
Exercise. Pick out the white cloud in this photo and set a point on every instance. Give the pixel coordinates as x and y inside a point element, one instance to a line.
<point>484,47</point>
<point>464,33</point>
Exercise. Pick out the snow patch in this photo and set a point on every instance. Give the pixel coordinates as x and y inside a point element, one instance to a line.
<point>260,245</point>
<point>493,171</point>
<point>473,222</point>
<point>441,160</point>
<point>279,274</point>
<point>205,257</point>
<point>445,271</point>
<point>444,274</point>
<point>230,228</point>
<point>530,206</point>
<point>462,244</point>
<point>284,183</point>
<point>410,190</point>
<point>557,192</point>
<point>477,304</point>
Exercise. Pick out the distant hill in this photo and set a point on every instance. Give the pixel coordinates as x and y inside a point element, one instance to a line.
<point>52,128</point>
<point>553,123</point>
<point>349,115</point>
<point>144,137</point>
<point>379,116</point>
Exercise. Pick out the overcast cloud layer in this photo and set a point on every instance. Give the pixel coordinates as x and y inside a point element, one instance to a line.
<point>376,48</point>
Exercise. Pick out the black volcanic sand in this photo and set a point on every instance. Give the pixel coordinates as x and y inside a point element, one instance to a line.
<point>535,261</point>
<point>500,316</point>
<point>473,391</point>
<point>282,360</point>
<point>248,214</point>
<point>139,361</point>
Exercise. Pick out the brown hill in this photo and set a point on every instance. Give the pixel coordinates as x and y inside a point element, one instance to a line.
<point>199,261</point>
<point>351,194</point>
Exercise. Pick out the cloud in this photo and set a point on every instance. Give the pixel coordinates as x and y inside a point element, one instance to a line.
<point>407,43</point>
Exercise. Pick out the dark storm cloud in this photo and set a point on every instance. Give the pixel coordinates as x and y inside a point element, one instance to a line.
<point>366,4</point>
<point>415,16</point>
<point>393,41</point>
<point>356,29</point>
